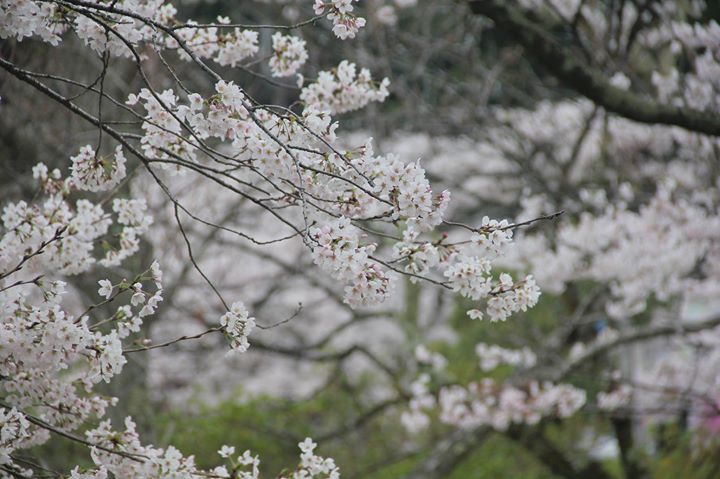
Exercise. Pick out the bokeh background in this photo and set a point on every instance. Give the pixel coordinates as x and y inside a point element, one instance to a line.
<point>497,128</point>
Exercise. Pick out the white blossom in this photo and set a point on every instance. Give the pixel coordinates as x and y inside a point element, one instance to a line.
<point>106,288</point>
<point>237,326</point>
<point>289,54</point>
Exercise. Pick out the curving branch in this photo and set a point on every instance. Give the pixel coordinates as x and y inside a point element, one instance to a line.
<point>575,73</point>
<point>633,336</point>
<point>448,453</point>
<point>534,441</point>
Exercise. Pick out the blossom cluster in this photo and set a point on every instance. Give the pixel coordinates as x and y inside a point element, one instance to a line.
<point>237,325</point>
<point>236,47</point>
<point>386,11</point>
<point>431,358</point>
<point>342,89</point>
<point>351,185</point>
<point>22,19</point>
<point>615,399</point>
<point>339,252</point>
<point>13,433</point>
<point>471,277</point>
<point>245,466</point>
<point>311,465</point>
<point>345,24</point>
<point>416,417</point>
<point>646,248</point>
<point>663,241</point>
<point>227,47</point>
<point>122,454</point>
<point>50,357</point>
<point>133,217</point>
<point>163,129</point>
<point>419,257</point>
<point>499,406</point>
<point>289,54</point>
<point>363,186</point>
<point>487,403</point>
<point>66,235</point>
<point>49,352</point>
<point>93,173</point>
<point>493,235</point>
<point>492,356</point>
<point>121,33</point>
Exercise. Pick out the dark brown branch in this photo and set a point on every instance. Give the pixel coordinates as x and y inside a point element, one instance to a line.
<point>543,49</point>
<point>623,428</point>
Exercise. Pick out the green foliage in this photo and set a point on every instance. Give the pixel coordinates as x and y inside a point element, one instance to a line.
<point>501,457</point>
<point>378,450</point>
<point>687,455</point>
<point>376,446</point>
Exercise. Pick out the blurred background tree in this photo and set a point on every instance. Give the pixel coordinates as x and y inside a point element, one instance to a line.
<point>466,93</point>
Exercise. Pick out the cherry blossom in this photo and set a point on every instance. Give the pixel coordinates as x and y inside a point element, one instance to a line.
<point>289,55</point>
<point>237,325</point>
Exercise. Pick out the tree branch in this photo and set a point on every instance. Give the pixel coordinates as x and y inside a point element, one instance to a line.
<point>634,335</point>
<point>551,456</point>
<point>448,453</point>
<point>585,79</point>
